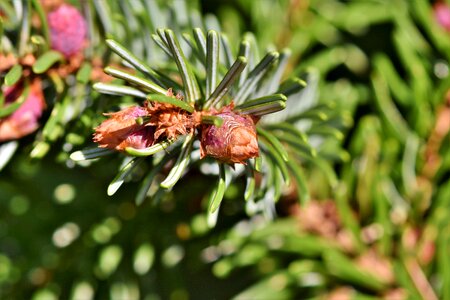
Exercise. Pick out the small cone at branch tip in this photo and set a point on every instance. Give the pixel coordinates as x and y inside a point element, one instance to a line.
<point>121,130</point>
<point>25,119</point>
<point>126,128</point>
<point>67,30</point>
<point>233,142</point>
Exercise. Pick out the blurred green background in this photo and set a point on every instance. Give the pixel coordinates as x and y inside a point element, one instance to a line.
<point>377,222</point>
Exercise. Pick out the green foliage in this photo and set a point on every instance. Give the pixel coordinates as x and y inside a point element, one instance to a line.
<point>390,188</point>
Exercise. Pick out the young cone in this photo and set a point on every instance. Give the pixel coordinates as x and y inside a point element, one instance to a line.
<point>67,30</point>
<point>25,119</point>
<point>233,142</point>
<point>121,130</point>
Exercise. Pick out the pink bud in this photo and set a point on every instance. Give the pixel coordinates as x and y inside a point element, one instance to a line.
<point>442,15</point>
<point>121,130</point>
<point>67,30</point>
<point>25,119</point>
<point>233,142</point>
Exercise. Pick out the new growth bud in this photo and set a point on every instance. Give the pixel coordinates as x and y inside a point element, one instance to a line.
<point>121,130</point>
<point>25,119</point>
<point>67,30</point>
<point>233,142</point>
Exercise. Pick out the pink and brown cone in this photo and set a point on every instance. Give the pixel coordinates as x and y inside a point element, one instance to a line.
<point>67,30</point>
<point>164,121</point>
<point>25,119</point>
<point>233,142</point>
<point>121,130</point>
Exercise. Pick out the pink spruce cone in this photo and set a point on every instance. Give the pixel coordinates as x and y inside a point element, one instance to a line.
<point>442,15</point>
<point>121,130</point>
<point>233,142</point>
<point>67,30</point>
<point>25,119</point>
